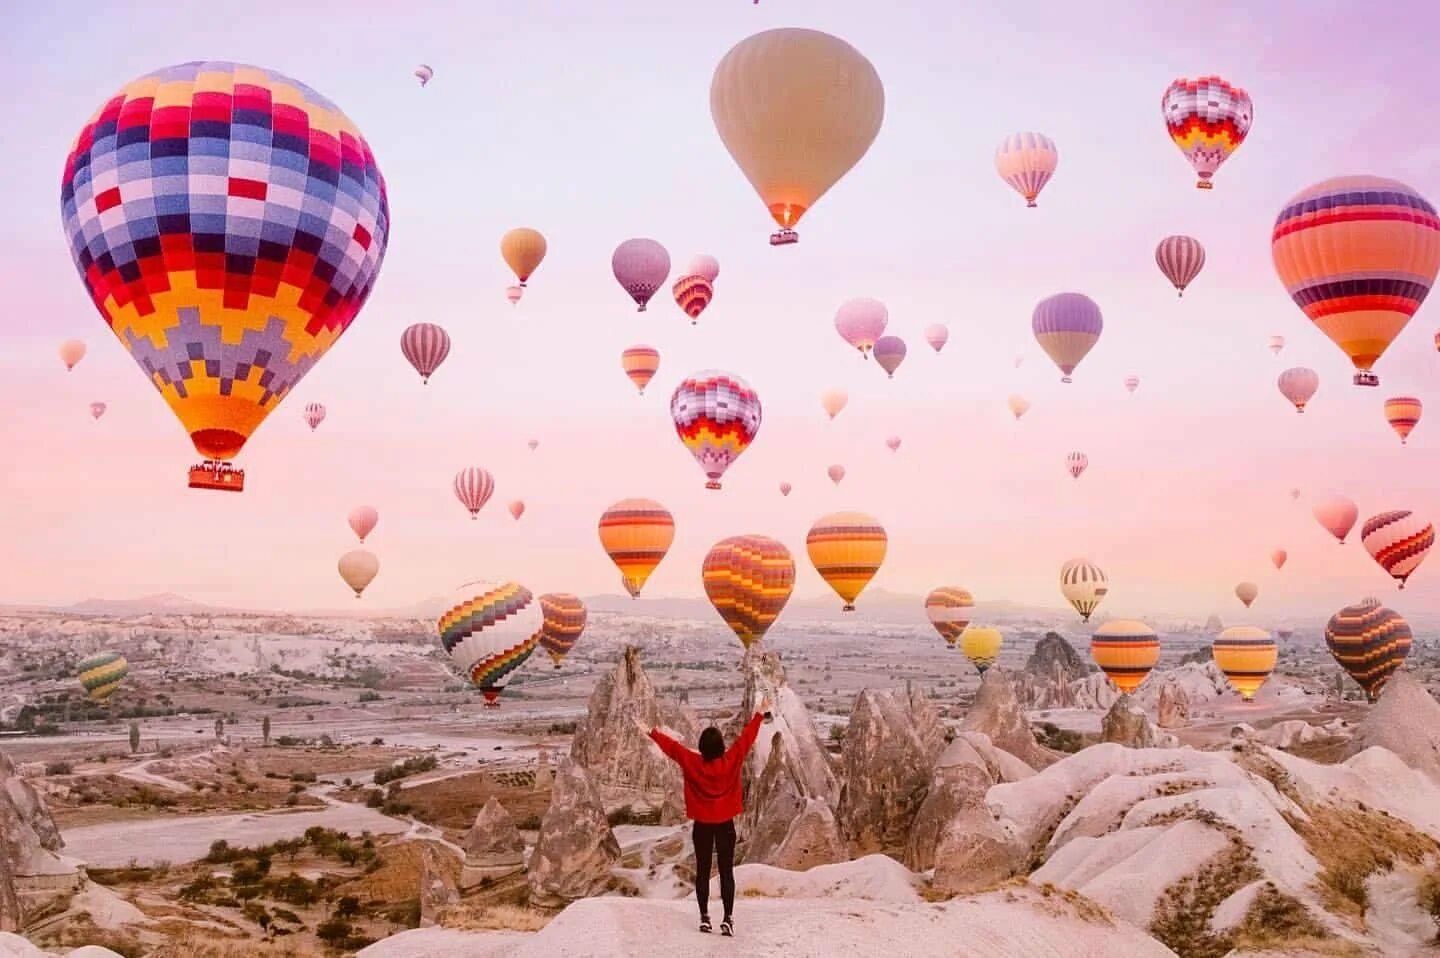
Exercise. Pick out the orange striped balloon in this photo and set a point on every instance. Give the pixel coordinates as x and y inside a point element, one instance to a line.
<point>1403,414</point>
<point>640,364</point>
<point>948,608</point>
<point>564,623</point>
<point>636,534</point>
<point>847,549</point>
<point>1370,642</point>
<point>1126,651</point>
<point>749,579</point>
<point>693,294</point>
<point>1247,657</point>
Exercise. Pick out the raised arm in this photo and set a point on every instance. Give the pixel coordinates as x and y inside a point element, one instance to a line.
<point>667,744</point>
<point>742,745</point>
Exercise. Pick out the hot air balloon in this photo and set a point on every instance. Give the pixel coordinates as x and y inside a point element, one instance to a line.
<point>1284,633</point>
<point>641,267</point>
<point>692,295</point>
<point>1294,493</point>
<point>1337,514</point>
<point>423,73</point>
<point>100,675</point>
<point>705,266</point>
<point>1067,326</point>
<point>314,415</point>
<point>363,520</point>
<point>71,352</point>
<point>1132,383</point>
<point>1026,161</point>
<point>948,609</point>
<point>937,335</point>
<point>893,442</point>
<point>474,487</point>
<point>1246,592</point>
<point>517,508</point>
<point>1403,414</point>
<point>1370,642</point>
<point>631,586</point>
<point>513,294</point>
<point>238,243</point>
<point>785,488</point>
<point>860,322</point>
<point>847,549</point>
<point>748,580</point>
<point>636,534</point>
<point>358,568</point>
<point>1278,557</point>
<point>640,364</point>
<point>833,401</point>
<point>717,415</point>
<point>1083,585</point>
<point>97,409</point>
<point>1180,258</point>
<point>1298,385</point>
<point>533,444</point>
<point>523,250</point>
<point>1398,542</point>
<point>489,632</point>
<point>981,646</point>
<point>1358,254</point>
<point>1019,360</point>
<point>796,109</point>
<point>1126,651</point>
<point>836,473</point>
<point>563,622</point>
<point>890,353</point>
<point>1247,657</point>
<point>1076,463</point>
<point>1019,405</point>
<point>1277,343</point>
<point>1208,119</point>
<point>425,345</point>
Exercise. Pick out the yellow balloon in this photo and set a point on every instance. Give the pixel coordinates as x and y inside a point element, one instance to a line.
<point>847,549</point>
<point>523,249</point>
<point>1247,657</point>
<point>981,646</point>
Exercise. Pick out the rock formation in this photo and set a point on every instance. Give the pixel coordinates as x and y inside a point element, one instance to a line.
<point>1127,724</point>
<point>544,772</point>
<point>437,884</point>
<point>625,767</point>
<point>997,714</point>
<point>1173,708</point>
<point>1406,720</point>
<point>890,748</point>
<point>31,870</point>
<point>493,846</point>
<point>576,849</point>
<point>1055,656</point>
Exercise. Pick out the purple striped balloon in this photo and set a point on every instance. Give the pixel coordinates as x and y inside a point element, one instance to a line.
<point>1026,161</point>
<point>426,346</point>
<point>1067,325</point>
<point>1180,258</point>
<point>889,353</point>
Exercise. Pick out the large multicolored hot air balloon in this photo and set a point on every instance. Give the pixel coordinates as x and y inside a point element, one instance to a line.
<point>523,250</point>
<point>640,364</point>
<point>1026,161</point>
<point>748,580</point>
<point>97,409</point>
<point>1247,657</point>
<point>717,415</point>
<point>705,266</point>
<point>948,608</point>
<point>833,400</point>
<point>100,675</point>
<point>474,487</point>
<point>636,534</point>
<point>1067,325</point>
<point>692,295</point>
<point>1358,254</point>
<point>1298,385</point>
<point>563,622</point>
<point>358,568</point>
<point>860,322</point>
<point>1370,642</point>
<point>641,267</point>
<point>1019,406</point>
<point>937,335</point>
<point>1126,651</point>
<point>1398,542</point>
<point>1337,514</point>
<point>1403,414</point>
<point>1180,258</point>
<point>1277,343</point>
<point>1208,119</point>
<point>71,352</point>
<point>1076,463</point>
<point>362,520</point>
<point>981,646</point>
<point>489,632</point>
<point>890,353</point>
<point>847,549</point>
<point>425,346</point>
<point>228,223</point>
<point>1278,558</point>
<point>1246,592</point>
<point>1083,585</point>
<point>796,109</point>
<point>314,415</point>
<point>836,473</point>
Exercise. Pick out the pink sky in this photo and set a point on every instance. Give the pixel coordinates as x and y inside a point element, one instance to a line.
<point>543,116</point>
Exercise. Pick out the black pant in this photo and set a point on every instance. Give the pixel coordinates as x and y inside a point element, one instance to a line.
<point>721,838</point>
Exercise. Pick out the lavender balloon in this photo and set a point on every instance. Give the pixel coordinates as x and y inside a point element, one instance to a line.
<point>890,353</point>
<point>1067,325</point>
<point>641,267</point>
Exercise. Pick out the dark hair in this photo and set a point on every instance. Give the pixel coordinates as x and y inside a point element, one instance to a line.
<point>712,744</point>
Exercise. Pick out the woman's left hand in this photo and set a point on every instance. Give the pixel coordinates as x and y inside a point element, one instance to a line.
<point>641,726</point>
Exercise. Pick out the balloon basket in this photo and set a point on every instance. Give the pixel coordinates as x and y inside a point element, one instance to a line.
<point>847,607</point>
<point>784,238</point>
<point>1204,185</point>
<point>1366,378</point>
<point>217,475</point>
<point>1030,203</point>
<point>712,484</point>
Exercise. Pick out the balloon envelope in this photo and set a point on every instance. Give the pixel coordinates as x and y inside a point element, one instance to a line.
<point>97,409</point>
<point>748,580</point>
<point>860,322</point>
<point>523,250</point>
<point>833,401</point>
<point>641,267</point>
<point>1132,383</point>
<point>1207,119</point>
<point>363,520</point>
<point>1246,592</point>
<point>1298,385</point>
<point>717,416</point>
<point>890,353</point>
<point>1278,557</point>
<point>563,622</point>
<point>705,266</point>
<point>1277,343</point>
<point>692,295</point>
<point>1026,161</point>
<point>1083,585</point>
<point>847,549</point>
<point>1403,414</point>
<point>1246,655</point>
<point>100,675</point>
<point>1019,405</point>
<point>981,646</point>
<point>358,568</point>
<point>1077,463</point>
<point>425,345</point>
<point>949,609</point>
<point>1398,542</point>
<point>1067,326</point>
<point>785,488</point>
<point>640,364</point>
<point>836,473</point>
<point>893,442</point>
<point>1370,642</point>
<point>474,487</point>
<point>71,352</point>
<point>1180,258</point>
<point>423,73</point>
<point>636,534</point>
<point>517,508</point>
<point>1126,650</point>
<point>1337,514</point>
<point>489,631</point>
<point>314,415</point>
<point>937,336</point>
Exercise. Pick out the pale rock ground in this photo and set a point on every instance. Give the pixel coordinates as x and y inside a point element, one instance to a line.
<point>1406,721</point>
<point>13,946</point>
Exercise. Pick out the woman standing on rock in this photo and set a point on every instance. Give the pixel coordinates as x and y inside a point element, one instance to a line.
<point>712,799</point>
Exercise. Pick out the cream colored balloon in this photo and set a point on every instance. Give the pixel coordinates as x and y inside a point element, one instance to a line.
<point>524,250</point>
<point>358,568</point>
<point>834,401</point>
<point>1019,405</point>
<point>796,109</point>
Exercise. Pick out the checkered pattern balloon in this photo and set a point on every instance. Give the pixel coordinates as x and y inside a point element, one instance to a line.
<point>229,223</point>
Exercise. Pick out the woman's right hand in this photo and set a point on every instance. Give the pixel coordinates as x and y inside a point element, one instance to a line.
<point>642,727</point>
<point>766,704</point>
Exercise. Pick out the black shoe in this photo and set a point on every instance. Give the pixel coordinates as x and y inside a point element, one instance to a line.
<point>727,928</point>
<point>705,924</point>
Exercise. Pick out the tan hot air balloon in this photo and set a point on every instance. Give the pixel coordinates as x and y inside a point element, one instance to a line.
<point>71,352</point>
<point>796,109</point>
<point>833,401</point>
<point>1246,592</point>
<point>1019,406</point>
<point>358,568</point>
<point>523,249</point>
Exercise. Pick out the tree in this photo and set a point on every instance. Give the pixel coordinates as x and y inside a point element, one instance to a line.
<point>134,737</point>
<point>265,730</point>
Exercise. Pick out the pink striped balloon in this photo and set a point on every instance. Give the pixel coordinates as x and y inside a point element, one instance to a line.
<point>1026,161</point>
<point>1077,462</point>
<point>937,336</point>
<point>473,487</point>
<point>425,345</point>
<point>1398,542</point>
<point>1132,383</point>
<point>314,415</point>
<point>1180,258</point>
<point>362,521</point>
<point>1298,385</point>
<point>890,353</point>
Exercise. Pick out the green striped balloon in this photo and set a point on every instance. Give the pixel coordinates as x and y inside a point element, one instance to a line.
<point>100,675</point>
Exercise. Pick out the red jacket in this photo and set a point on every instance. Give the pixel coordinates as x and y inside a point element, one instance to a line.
<point>712,789</point>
